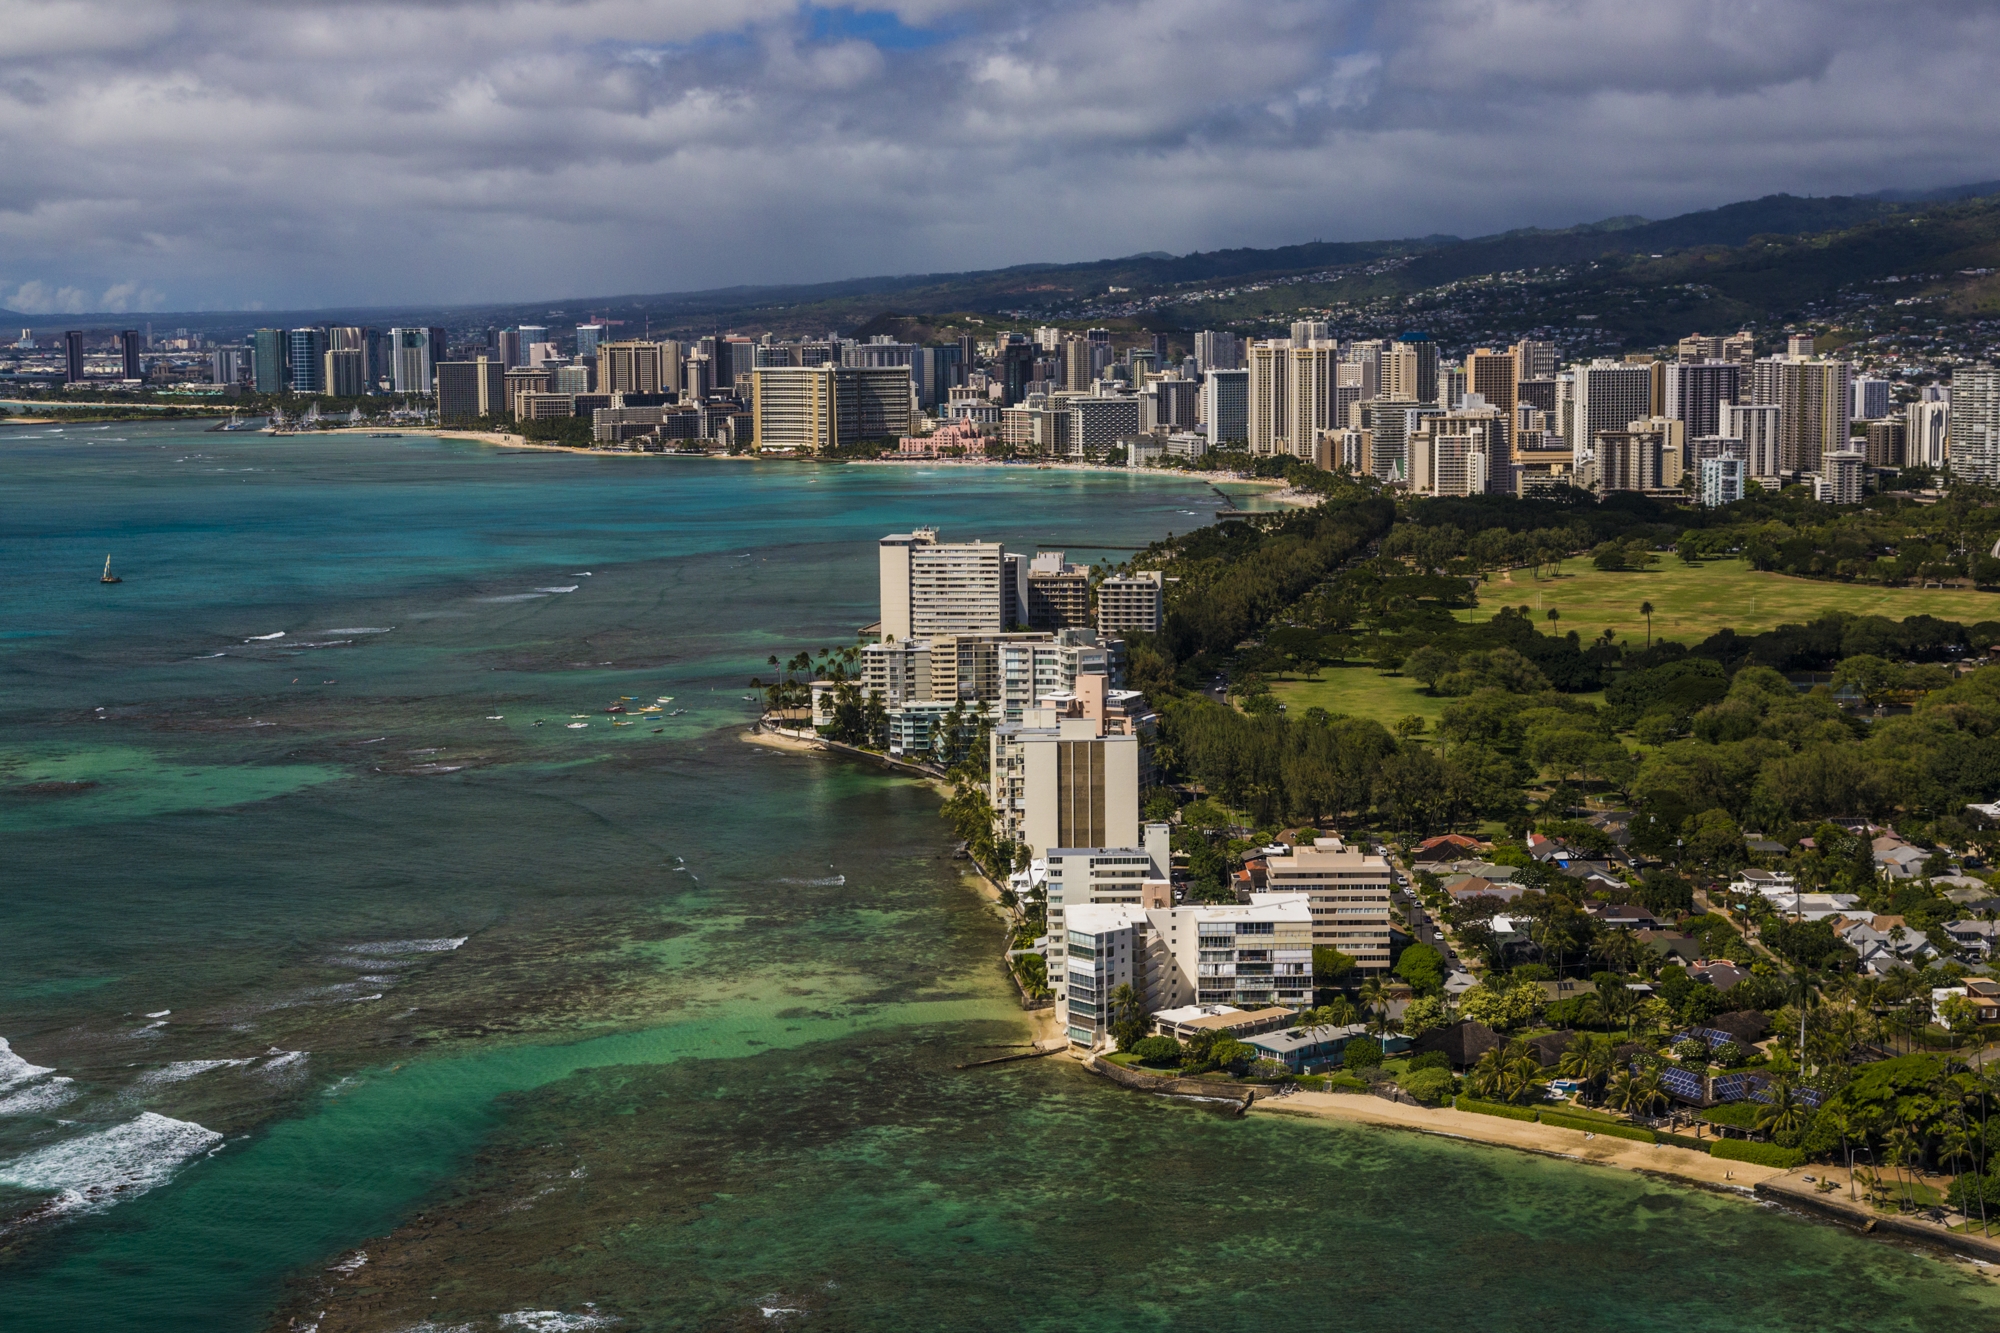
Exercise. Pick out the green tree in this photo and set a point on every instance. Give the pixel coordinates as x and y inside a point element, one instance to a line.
<point>1128,1018</point>
<point>1646,610</point>
<point>1432,1087</point>
<point>1423,967</point>
<point>1428,665</point>
<point>1361,1053</point>
<point>1329,963</point>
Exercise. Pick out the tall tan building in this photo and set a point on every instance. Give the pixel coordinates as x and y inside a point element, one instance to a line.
<point>792,407</point>
<point>630,367</point>
<point>1270,396</point>
<point>1348,891</point>
<point>1076,365</point>
<point>1492,375</point>
<point>1312,379</point>
<point>815,408</point>
<point>1402,369</point>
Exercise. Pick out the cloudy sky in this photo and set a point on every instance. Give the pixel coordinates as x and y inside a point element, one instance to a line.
<point>205,154</point>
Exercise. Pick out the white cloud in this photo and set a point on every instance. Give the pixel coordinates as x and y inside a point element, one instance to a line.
<point>224,152</point>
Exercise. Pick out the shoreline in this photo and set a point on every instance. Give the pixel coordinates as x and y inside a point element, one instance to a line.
<point>1041,1022</point>
<point>1573,1145</point>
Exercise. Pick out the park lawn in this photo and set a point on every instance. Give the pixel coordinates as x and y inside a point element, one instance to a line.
<point>1691,602</point>
<point>1362,691</point>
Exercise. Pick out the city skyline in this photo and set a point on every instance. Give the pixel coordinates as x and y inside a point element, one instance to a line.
<point>178,157</point>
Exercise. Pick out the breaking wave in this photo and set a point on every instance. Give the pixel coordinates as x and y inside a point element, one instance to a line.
<point>93,1171</point>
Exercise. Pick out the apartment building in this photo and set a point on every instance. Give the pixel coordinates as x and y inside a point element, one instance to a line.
<point>1348,891</point>
<point>1058,593</point>
<point>1033,667</point>
<point>1064,780</point>
<point>1131,603</point>
<point>1140,876</point>
<point>931,588</point>
<point>1250,956</point>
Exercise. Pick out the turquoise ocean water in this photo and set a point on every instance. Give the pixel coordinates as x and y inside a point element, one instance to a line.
<point>340,994</point>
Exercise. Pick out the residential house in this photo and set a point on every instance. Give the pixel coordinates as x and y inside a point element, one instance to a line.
<point>1444,848</point>
<point>1984,992</point>
<point>1184,1022</point>
<point>1896,859</point>
<point>1622,916</point>
<point>1719,974</point>
<point>1973,936</point>
<point>1462,1042</point>
<point>1310,1050</point>
<point>1884,942</point>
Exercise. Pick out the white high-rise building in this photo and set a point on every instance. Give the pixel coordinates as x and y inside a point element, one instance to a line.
<point>1755,425</point>
<point>934,589</point>
<point>1975,424</point>
<point>1305,332</point>
<point>1721,480</point>
<point>1927,437</point>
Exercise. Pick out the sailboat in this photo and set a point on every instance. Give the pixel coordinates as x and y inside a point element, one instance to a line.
<point>109,577</point>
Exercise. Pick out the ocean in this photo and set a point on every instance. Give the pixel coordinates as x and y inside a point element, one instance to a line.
<point>348,984</point>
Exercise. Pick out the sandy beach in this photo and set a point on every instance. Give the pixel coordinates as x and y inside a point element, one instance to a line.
<point>1531,1136</point>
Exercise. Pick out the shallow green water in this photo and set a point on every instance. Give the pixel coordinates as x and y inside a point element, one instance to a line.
<point>655,1025</point>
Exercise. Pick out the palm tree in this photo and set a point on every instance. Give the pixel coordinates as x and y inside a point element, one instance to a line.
<point>1375,1003</point>
<point>1554,615</point>
<point>1785,1113</point>
<point>1587,1059</point>
<point>1903,1146</point>
<point>1487,1077</point>
<point>1635,1093</point>
<point>1843,1124</point>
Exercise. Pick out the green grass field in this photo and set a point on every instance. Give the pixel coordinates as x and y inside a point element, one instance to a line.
<point>1360,691</point>
<point>1691,602</point>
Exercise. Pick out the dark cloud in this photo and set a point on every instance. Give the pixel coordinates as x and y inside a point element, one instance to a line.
<point>190,153</point>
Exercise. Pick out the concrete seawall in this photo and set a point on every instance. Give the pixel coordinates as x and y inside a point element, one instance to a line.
<point>1835,1206</point>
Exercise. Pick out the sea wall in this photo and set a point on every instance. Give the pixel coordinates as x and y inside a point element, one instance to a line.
<point>1834,1205</point>
<point>1180,1087</point>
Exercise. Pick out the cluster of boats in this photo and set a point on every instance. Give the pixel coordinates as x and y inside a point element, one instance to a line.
<point>655,710</point>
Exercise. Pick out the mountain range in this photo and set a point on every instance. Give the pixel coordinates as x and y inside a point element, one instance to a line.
<point>1633,280</point>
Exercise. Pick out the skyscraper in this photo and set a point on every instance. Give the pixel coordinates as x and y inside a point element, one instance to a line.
<point>1269,428</point>
<point>305,357</point>
<point>73,357</point>
<point>1871,399</point>
<point>1426,385</point>
<point>1927,433</point>
<point>268,360</point>
<point>1226,406</point>
<point>1217,351</point>
<point>1310,330</point>
<point>1310,385</point>
<point>469,390</point>
<point>587,338</point>
<point>1076,365</point>
<point>1534,360</point>
<point>529,335</point>
<point>1609,395</point>
<point>133,345</point>
<point>1815,401</point>
<point>345,373</point>
<point>1492,375</point>
<point>512,351</point>
<point>1975,424</point>
<point>412,368</point>
<point>1696,390</point>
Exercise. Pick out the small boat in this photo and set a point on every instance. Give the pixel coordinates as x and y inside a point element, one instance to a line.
<point>650,708</point>
<point>109,577</point>
<point>616,723</point>
<point>664,699</point>
<point>615,708</point>
<point>677,712</point>
<point>579,715</point>
<point>578,726</point>
<point>658,730</point>
<point>495,717</point>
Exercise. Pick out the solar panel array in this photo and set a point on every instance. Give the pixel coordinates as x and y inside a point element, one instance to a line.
<point>1683,1083</point>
